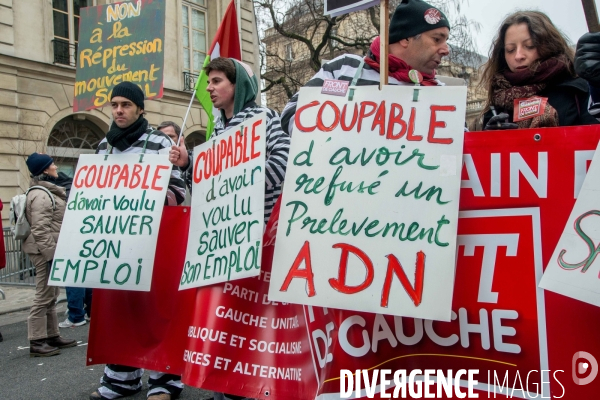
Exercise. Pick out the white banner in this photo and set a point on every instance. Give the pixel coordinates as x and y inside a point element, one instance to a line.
<point>228,206</point>
<point>370,203</point>
<point>109,232</point>
<point>574,270</point>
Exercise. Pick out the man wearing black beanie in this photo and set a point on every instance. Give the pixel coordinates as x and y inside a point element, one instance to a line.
<point>131,134</point>
<point>417,37</point>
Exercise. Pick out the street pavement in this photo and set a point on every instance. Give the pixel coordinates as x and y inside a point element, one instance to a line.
<point>63,376</point>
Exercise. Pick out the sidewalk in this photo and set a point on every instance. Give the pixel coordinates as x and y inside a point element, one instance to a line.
<point>19,298</point>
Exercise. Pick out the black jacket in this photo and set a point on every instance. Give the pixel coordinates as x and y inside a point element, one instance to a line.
<point>570,99</point>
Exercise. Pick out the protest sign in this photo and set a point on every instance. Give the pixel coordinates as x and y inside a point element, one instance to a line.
<point>572,270</point>
<point>370,205</point>
<point>227,222</point>
<point>110,228</point>
<point>119,42</point>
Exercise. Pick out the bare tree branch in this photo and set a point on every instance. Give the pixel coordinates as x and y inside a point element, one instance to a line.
<point>297,38</point>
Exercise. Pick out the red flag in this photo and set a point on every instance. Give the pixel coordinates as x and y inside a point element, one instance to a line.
<point>226,42</point>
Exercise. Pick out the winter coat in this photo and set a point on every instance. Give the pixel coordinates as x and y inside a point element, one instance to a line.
<point>44,221</point>
<point>570,99</point>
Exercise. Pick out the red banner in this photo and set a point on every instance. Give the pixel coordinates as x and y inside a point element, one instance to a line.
<point>521,187</point>
<point>145,329</point>
<point>518,190</point>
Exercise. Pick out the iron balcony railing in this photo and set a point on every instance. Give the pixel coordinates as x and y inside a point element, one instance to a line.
<point>65,53</point>
<point>19,270</point>
<point>189,81</point>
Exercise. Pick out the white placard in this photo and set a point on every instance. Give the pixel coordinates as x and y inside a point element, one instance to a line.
<point>109,231</point>
<point>370,203</point>
<point>574,269</point>
<point>228,206</point>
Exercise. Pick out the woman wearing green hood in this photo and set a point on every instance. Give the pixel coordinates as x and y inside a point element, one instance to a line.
<point>233,88</point>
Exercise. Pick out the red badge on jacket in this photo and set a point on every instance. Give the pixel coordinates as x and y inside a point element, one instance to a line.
<point>529,108</point>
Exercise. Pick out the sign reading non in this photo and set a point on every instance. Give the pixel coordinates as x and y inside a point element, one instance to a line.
<point>227,222</point>
<point>370,205</point>
<point>110,228</point>
<point>119,42</point>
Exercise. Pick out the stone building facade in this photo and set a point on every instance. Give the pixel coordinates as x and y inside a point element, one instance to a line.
<point>38,40</point>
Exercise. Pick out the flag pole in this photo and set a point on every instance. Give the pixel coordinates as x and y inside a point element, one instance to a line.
<point>384,22</point>
<point>186,115</point>
<point>591,15</point>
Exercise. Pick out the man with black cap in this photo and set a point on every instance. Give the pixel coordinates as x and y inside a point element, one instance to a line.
<point>130,133</point>
<point>418,37</point>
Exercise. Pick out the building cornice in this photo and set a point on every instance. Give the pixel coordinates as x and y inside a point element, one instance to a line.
<point>66,75</point>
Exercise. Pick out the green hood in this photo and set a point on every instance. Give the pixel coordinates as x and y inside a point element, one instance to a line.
<point>246,87</point>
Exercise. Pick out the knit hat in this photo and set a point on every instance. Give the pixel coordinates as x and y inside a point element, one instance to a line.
<point>37,163</point>
<point>413,17</point>
<point>130,91</point>
<point>246,85</point>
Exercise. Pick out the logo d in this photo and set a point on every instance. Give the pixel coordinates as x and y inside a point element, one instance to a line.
<point>582,367</point>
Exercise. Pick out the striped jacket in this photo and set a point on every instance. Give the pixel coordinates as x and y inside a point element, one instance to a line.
<point>343,68</point>
<point>158,143</point>
<point>278,147</point>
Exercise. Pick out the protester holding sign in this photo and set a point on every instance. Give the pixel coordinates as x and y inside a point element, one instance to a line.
<point>45,208</point>
<point>418,36</point>
<point>530,77</point>
<point>233,88</point>
<point>130,133</point>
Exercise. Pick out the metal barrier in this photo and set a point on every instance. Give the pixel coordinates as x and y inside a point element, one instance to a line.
<point>19,269</point>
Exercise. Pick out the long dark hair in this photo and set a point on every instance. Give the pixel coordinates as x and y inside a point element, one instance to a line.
<point>546,38</point>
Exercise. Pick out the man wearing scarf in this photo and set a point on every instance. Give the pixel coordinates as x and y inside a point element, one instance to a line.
<point>233,88</point>
<point>417,37</point>
<point>128,134</point>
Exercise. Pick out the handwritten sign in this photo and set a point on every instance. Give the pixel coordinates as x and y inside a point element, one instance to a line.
<point>110,229</point>
<point>227,222</point>
<point>119,42</point>
<point>574,269</point>
<point>370,204</point>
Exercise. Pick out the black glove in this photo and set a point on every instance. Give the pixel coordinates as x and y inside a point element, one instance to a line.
<point>587,58</point>
<point>500,122</point>
<point>49,268</point>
